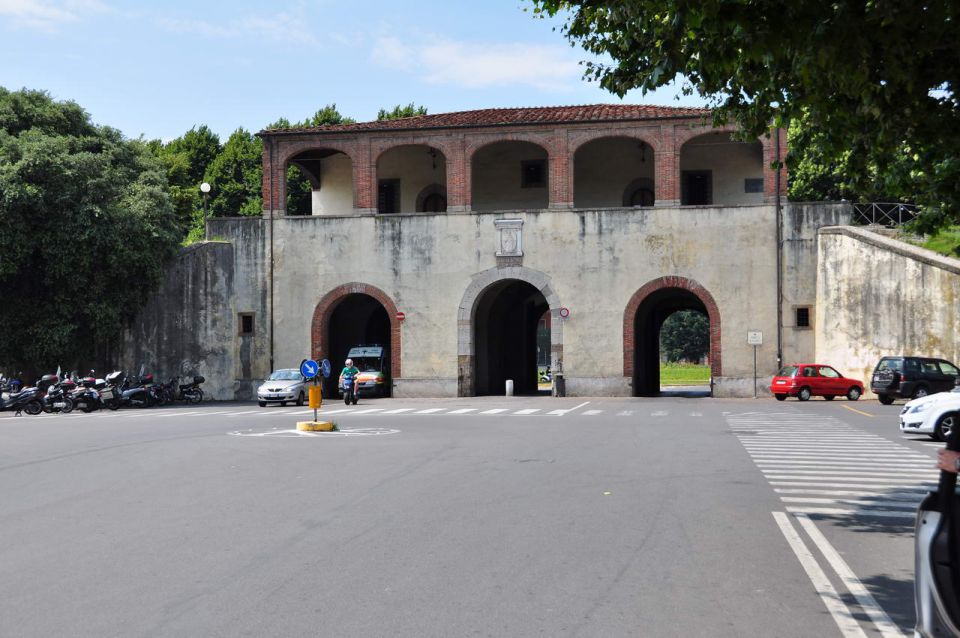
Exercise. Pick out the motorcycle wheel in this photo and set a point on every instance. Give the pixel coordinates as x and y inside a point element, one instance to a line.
<point>88,408</point>
<point>197,396</point>
<point>33,408</point>
<point>346,398</point>
<point>113,404</point>
<point>67,405</point>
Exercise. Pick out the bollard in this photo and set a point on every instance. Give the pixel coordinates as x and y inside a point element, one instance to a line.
<point>509,387</point>
<point>559,385</point>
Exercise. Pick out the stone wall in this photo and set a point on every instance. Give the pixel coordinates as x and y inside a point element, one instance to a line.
<point>593,260</point>
<point>878,296</point>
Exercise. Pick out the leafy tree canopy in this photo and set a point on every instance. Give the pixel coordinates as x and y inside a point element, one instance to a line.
<point>410,110</point>
<point>186,159</point>
<point>88,224</point>
<point>874,79</point>
<point>685,336</point>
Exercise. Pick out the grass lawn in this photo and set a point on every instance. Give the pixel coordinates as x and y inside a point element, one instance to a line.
<point>945,242</point>
<point>684,374</point>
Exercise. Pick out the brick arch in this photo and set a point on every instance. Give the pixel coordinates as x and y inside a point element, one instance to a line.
<point>648,136</point>
<point>324,310</point>
<point>673,281</point>
<point>378,150</point>
<point>288,151</point>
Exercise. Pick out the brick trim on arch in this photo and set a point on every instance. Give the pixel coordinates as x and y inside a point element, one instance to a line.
<point>329,302</point>
<point>672,281</point>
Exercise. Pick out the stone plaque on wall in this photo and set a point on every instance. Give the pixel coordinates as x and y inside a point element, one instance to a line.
<point>509,237</point>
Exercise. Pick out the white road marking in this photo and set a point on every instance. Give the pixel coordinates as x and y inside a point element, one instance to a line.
<point>325,412</point>
<point>908,495</point>
<point>430,411</point>
<point>399,411</point>
<point>552,412</point>
<point>696,414</point>
<point>592,412</point>
<point>659,413</point>
<point>568,410</point>
<point>625,413</point>
<point>879,617</point>
<point>494,411</point>
<point>848,625</point>
<point>526,411</point>
<point>838,511</point>
<point>463,411</point>
<point>247,412</point>
<point>369,411</point>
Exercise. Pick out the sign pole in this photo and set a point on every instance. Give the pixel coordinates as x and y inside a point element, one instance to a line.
<point>754,372</point>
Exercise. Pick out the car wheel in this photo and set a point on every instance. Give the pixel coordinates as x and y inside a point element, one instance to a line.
<point>945,425</point>
<point>262,404</point>
<point>920,392</point>
<point>780,397</point>
<point>828,397</point>
<point>853,393</point>
<point>804,394</point>
<point>885,399</point>
<point>300,399</point>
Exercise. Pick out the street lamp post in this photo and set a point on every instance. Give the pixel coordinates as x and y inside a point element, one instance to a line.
<point>205,189</point>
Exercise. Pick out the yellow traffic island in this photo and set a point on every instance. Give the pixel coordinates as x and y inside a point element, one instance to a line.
<point>316,426</point>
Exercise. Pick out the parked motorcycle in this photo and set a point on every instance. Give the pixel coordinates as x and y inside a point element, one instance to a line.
<point>25,400</point>
<point>56,394</point>
<point>110,392</point>
<point>191,392</point>
<point>86,397</point>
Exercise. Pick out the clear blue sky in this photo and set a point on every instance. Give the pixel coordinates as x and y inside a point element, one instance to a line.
<point>158,68</point>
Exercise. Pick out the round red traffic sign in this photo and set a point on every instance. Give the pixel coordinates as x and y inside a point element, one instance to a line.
<point>564,313</point>
<point>401,316</point>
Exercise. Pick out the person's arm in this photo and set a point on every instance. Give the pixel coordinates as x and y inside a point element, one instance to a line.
<point>947,460</point>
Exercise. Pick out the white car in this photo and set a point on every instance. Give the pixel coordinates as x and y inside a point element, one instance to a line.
<point>283,386</point>
<point>935,414</point>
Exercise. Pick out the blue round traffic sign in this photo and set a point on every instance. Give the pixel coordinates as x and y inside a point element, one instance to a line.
<point>309,368</point>
<point>325,368</point>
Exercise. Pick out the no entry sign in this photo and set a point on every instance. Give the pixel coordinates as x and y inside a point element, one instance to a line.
<point>401,316</point>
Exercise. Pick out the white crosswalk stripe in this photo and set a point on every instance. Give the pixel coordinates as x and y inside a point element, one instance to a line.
<point>463,411</point>
<point>820,465</point>
<point>429,411</point>
<point>592,412</point>
<point>527,411</point>
<point>494,411</point>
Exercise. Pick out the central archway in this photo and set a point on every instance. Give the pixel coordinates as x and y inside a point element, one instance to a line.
<point>498,326</point>
<point>643,318</point>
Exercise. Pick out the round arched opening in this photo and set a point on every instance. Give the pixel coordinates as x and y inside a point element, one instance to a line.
<point>685,342</point>
<point>359,323</point>
<point>409,174</point>
<point>319,182</point>
<point>613,171</point>
<point>507,333</point>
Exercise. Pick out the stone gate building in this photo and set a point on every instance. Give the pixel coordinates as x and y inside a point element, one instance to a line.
<point>447,237</point>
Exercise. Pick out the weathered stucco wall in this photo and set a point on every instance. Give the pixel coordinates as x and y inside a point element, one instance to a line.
<point>878,296</point>
<point>594,261</point>
<point>187,327</point>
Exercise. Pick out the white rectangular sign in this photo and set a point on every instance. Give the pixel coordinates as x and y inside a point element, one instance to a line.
<point>754,338</point>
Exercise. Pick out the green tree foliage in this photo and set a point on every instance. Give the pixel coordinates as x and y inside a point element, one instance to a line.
<point>410,110</point>
<point>186,159</point>
<point>874,79</point>
<point>88,223</point>
<point>236,176</point>
<point>685,336</point>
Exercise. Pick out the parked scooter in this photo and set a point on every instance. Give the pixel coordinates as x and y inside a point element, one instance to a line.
<point>86,397</point>
<point>191,392</point>
<point>24,401</point>
<point>56,394</point>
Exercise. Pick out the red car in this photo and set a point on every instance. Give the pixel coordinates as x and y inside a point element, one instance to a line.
<point>803,380</point>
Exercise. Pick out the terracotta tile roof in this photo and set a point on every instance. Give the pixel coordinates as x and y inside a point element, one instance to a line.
<point>512,116</point>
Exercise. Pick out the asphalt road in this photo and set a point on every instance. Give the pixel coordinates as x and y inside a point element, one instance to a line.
<point>467,517</point>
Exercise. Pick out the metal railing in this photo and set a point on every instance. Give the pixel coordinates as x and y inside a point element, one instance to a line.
<point>890,215</point>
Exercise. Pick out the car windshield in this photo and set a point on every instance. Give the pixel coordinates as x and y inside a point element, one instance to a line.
<point>787,371</point>
<point>285,375</point>
<point>367,364</point>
